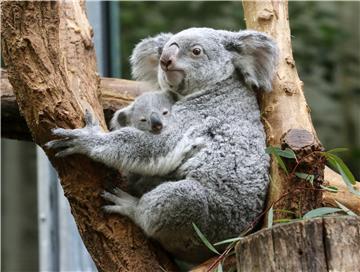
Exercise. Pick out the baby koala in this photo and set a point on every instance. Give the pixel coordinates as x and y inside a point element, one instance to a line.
<point>150,112</point>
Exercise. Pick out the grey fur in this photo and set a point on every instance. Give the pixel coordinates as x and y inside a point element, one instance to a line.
<point>221,188</point>
<point>147,108</point>
<point>140,114</point>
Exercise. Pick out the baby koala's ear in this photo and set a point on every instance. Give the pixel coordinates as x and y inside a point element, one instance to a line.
<point>255,56</point>
<point>145,58</point>
<point>120,118</point>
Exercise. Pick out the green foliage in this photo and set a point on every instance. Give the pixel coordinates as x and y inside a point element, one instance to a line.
<point>345,209</point>
<point>278,153</point>
<point>331,189</point>
<point>270,217</point>
<point>307,177</point>
<point>219,268</point>
<point>228,241</point>
<point>205,240</point>
<point>319,212</point>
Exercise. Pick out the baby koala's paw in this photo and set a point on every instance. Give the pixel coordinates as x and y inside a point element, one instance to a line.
<point>124,203</point>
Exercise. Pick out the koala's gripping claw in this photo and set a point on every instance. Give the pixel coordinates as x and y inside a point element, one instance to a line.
<point>76,141</point>
<point>124,203</point>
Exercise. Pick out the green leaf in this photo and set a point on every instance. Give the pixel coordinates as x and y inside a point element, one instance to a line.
<point>320,212</point>
<point>219,268</point>
<point>228,241</point>
<point>270,217</point>
<point>204,240</point>
<point>307,177</point>
<point>337,150</point>
<point>345,209</point>
<point>287,153</point>
<point>282,220</point>
<point>338,163</point>
<point>272,150</point>
<point>331,189</point>
<point>284,211</point>
<point>345,173</point>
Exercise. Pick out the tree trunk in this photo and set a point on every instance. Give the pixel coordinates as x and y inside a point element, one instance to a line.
<point>286,116</point>
<point>50,58</point>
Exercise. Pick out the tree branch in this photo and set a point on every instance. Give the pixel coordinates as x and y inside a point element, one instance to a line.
<point>114,94</point>
<point>48,50</point>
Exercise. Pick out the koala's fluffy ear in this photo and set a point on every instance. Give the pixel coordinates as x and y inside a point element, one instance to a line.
<point>145,58</point>
<point>120,118</point>
<point>255,57</point>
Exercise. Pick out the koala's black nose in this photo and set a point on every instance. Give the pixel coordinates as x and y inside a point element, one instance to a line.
<point>156,124</point>
<point>168,57</point>
<point>167,62</point>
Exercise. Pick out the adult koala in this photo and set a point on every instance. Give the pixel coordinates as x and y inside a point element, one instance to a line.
<point>222,187</point>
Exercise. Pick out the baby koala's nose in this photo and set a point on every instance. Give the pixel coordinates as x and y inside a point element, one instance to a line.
<point>156,124</point>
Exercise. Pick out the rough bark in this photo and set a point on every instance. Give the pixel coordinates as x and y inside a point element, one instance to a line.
<point>286,114</point>
<point>323,244</point>
<point>114,94</point>
<point>50,58</point>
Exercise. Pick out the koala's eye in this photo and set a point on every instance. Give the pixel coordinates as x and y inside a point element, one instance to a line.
<point>165,112</point>
<point>143,119</point>
<point>196,51</point>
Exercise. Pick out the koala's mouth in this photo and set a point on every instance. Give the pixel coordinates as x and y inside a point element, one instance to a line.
<point>174,77</point>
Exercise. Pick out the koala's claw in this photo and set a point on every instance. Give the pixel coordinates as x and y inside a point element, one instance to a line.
<point>57,144</point>
<point>124,203</point>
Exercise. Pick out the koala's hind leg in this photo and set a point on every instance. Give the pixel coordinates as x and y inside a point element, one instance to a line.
<point>167,212</point>
<point>124,203</point>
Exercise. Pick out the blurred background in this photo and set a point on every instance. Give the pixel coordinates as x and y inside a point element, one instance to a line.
<point>38,232</point>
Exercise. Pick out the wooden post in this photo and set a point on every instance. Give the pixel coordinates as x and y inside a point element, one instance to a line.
<point>322,244</point>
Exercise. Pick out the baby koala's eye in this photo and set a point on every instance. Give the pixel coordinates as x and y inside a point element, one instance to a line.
<point>196,51</point>
<point>165,112</point>
<point>143,119</point>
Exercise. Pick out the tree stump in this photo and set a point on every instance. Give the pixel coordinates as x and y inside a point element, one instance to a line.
<point>321,244</point>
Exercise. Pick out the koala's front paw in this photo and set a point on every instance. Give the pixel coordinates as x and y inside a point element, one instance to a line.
<point>124,203</point>
<point>76,140</point>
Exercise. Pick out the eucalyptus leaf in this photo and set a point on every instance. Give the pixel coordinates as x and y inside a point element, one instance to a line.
<point>331,189</point>
<point>338,163</point>
<point>282,220</point>
<point>345,209</point>
<point>338,150</point>
<point>284,211</point>
<point>205,240</point>
<point>228,241</point>
<point>270,217</point>
<point>307,177</point>
<point>319,212</point>
<point>275,151</point>
<point>219,268</point>
<point>287,153</point>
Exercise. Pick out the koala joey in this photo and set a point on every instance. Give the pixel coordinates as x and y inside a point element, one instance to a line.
<point>222,187</point>
<point>149,112</point>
